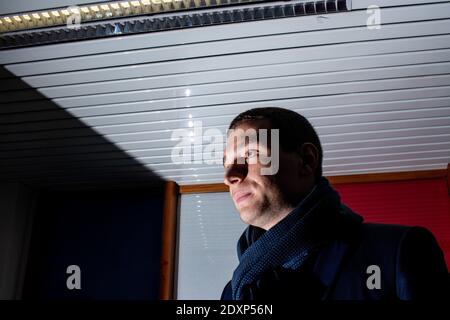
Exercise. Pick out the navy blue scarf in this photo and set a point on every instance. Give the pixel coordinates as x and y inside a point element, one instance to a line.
<point>290,241</point>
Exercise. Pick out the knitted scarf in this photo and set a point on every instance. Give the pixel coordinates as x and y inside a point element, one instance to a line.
<point>290,241</point>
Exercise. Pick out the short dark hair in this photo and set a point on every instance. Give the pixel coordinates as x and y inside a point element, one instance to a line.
<point>295,129</point>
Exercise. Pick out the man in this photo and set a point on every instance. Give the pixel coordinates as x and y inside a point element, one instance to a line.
<point>302,242</point>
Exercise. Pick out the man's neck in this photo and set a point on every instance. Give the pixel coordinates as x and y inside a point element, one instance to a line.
<point>284,212</point>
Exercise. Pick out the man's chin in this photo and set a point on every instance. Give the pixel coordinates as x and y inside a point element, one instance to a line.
<point>248,216</point>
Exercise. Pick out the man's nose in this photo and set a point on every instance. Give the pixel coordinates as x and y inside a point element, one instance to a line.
<point>235,174</point>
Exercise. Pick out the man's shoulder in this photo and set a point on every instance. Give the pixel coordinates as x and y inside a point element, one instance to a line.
<point>394,248</point>
<point>384,240</point>
<point>380,231</point>
<point>409,258</point>
<point>379,234</point>
<point>384,245</point>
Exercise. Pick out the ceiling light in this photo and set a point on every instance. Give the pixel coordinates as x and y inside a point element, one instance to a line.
<point>154,22</point>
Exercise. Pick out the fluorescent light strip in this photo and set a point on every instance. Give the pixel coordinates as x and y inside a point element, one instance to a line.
<point>106,10</point>
<point>161,23</point>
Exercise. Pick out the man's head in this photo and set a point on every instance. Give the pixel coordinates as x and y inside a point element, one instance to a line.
<point>264,200</point>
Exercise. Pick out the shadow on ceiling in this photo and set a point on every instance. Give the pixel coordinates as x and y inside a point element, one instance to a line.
<point>43,145</point>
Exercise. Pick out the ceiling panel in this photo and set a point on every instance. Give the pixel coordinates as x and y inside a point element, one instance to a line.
<point>235,46</point>
<point>392,14</point>
<point>211,83</point>
<point>393,99</point>
<point>338,56</point>
<point>199,96</point>
<point>342,122</point>
<point>105,110</point>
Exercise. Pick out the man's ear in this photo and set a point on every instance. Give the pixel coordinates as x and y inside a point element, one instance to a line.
<point>309,156</point>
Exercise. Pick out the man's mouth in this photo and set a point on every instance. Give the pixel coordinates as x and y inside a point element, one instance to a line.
<point>241,197</point>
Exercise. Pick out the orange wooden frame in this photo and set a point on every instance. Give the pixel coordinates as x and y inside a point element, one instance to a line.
<point>168,240</point>
<point>354,178</point>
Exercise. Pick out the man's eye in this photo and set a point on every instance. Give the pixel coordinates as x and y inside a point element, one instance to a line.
<point>252,153</point>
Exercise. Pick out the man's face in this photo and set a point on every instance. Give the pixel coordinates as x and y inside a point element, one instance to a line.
<point>262,200</point>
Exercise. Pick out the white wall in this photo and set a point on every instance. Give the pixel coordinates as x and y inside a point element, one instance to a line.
<point>16,208</point>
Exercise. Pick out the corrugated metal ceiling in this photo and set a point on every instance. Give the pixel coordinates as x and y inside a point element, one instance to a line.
<point>80,112</point>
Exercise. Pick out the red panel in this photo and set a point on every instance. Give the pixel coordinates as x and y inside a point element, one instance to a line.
<point>423,203</point>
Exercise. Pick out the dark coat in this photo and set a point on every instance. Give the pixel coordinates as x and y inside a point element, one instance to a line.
<point>410,262</point>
